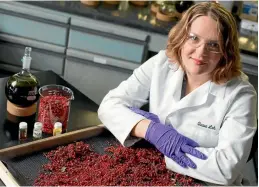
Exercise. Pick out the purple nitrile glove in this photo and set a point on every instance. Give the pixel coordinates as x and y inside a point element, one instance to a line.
<point>147,115</point>
<point>172,144</point>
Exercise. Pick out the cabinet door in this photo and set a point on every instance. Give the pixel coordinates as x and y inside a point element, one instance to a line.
<point>33,23</point>
<point>249,64</point>
<point>93,79</point>
<point>12,68</point>
<point>107,40</point>
<point>11,54</point>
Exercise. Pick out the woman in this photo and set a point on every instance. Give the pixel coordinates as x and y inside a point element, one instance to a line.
<point>202,107</point>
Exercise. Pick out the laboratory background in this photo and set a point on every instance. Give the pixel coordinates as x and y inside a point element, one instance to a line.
<point>89,47</point>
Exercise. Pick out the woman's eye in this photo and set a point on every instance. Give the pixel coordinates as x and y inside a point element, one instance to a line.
<point>213,45</point>
<point>194,38</point>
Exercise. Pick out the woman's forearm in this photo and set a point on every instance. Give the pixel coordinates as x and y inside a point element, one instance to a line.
<point>140,128</point>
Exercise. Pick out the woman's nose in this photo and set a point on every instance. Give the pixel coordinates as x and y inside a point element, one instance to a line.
<point>202,50</point>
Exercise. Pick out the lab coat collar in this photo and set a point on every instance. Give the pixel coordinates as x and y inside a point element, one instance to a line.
<point>218,90</point>
<point>177,81</point>
<point>199,96</point>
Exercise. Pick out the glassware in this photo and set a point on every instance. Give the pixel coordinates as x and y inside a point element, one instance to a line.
<point>167,7</point>
<point>90,3</point>
<point>57,129</point>
<point>37,130</point>
<point>155,6</point>
<point>23,131</point>
<point>167,12</point>
<point>54,106</point>
<point>182,6</point>
<point>22,88</point>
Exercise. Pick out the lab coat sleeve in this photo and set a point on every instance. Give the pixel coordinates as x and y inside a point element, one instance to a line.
<point>225,161</point>
<point>113,110</point>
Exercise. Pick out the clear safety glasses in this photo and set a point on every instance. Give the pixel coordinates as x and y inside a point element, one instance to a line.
<point>196,41</point>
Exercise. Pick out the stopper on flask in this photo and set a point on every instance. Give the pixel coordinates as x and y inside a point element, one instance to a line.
<point>27,58</point>
<point>27,52</point>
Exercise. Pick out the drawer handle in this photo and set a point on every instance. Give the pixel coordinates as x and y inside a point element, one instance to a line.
<point>100,60</point>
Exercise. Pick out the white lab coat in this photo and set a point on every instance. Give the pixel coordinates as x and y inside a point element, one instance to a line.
<point>221,118</point>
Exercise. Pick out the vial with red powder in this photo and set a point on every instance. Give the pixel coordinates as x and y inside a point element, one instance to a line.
<point>54,106</point>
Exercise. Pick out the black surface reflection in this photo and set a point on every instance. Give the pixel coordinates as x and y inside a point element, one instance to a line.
<point>11,125</point>
<point>83,113</point>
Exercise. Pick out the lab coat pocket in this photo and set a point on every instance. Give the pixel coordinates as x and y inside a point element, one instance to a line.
<point>206,133</point>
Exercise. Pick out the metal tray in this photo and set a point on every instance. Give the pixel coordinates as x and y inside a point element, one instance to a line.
<point>24,169</point>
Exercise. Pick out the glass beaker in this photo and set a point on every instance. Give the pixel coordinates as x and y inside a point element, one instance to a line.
<point>54,106</point>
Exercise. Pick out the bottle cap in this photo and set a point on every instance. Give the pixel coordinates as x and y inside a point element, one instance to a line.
<point>38,125</point>
<point>58,125</point>
<point>22,125</point>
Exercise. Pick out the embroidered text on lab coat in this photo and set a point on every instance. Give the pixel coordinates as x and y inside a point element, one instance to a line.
<point>206,126</point>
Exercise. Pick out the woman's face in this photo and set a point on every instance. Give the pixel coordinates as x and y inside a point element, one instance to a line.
<point>200,52</point>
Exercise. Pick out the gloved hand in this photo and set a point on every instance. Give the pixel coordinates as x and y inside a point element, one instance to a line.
<point>172,144</point>
<point>147,115</point>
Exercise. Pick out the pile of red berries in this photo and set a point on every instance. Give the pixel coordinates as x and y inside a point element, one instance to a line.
<point>53,108</point>
<point>77,165</point>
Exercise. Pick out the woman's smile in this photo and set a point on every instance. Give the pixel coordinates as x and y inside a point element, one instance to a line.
<point>198,62</point>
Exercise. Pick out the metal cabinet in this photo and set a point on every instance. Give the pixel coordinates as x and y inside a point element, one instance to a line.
<point>100,56</point>
<point>25,25</point>
<point>249,64</point>
<point>29,22</point>
<point>11,54</point>
<point>104,39</point>
<point>94,75</point>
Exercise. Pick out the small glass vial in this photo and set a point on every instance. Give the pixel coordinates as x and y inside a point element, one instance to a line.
<point>57,128</point>
<point>22,131</point>
<point>37,130</point>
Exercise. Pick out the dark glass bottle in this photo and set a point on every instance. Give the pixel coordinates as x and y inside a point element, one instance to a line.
<point>22,88</point>
<point>182,6</point>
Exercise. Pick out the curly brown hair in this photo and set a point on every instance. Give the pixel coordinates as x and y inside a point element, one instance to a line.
<point>229,65</point>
